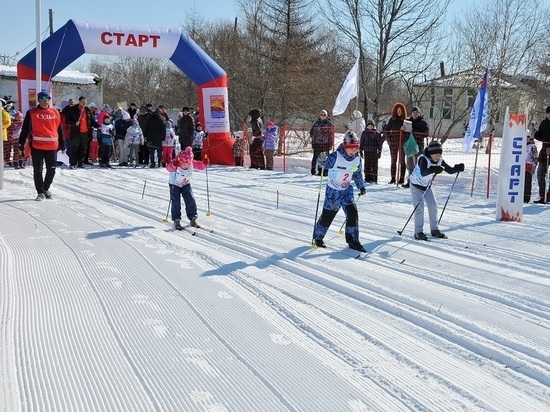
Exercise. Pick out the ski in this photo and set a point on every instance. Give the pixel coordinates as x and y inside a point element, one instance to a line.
<point>349,250</point>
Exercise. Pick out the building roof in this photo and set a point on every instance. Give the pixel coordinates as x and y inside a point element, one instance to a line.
<point>64,76</point>
<point>469,79</point>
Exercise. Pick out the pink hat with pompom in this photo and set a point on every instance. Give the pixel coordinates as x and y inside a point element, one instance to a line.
<point>270,123</point>
<point>186,156</point>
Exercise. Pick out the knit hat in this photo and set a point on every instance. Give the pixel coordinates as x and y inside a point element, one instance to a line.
<point>324,113</point>
<point>370,121</point>
<point>186,156</point>
<point>415,109</point>
<point>434,148</point>
<point>198,124</point>
<point>125,115</point>
<point>351,141</point>
<point>548,109</point>
<point>135,122</point>
<point>44,95</point>
<point>270,123</point>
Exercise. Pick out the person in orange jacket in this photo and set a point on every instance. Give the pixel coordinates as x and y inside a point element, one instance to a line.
<point>44,122</point>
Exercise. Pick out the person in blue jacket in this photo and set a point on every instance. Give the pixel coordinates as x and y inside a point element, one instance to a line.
<point>344,166</point>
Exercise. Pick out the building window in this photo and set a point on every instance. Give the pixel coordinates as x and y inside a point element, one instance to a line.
<point>446,113</point>
<point>471,95</point>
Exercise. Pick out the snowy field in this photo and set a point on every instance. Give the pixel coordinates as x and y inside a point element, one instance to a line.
<point>104,307</point>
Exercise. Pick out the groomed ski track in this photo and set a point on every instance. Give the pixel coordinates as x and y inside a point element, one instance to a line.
<point>106,307</point>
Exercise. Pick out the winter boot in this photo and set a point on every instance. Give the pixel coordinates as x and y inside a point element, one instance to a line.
<point>193,222</point>
<point>356,246</point>
<point>420,236</point>
<point>320,243</point>
<point>177,224</point>
<point>47,194</point>
<point>406,185</point>
<point>40,197</point>
<point>439,234</point>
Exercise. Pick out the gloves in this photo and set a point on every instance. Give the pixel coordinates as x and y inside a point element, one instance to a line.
<point>363,191</point>
<point>206,161</point>
<point>459,167</point>
<point>436,169</point>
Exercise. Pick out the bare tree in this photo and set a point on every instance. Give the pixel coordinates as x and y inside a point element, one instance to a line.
<point>503,35</point>
<point>399,37</point>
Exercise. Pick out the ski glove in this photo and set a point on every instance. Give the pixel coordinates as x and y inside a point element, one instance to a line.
<point>436,169</point>
<point>362,191</point>
<point>459,167</point>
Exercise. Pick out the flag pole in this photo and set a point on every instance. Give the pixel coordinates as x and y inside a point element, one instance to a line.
<point>358,84</point>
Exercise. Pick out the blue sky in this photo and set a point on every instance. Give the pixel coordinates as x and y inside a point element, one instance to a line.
<point>20,33</point>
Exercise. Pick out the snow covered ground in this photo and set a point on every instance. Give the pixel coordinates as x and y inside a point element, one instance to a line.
<point>104,307</point>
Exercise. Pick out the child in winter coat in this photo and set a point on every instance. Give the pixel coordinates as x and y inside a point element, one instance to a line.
<point>371,147</point>
<point>430,163</point>
<point>198,139</point>
<point>181,170</point>
<point>132,141</point>
<point>106,142</point>
<point>14,130</point>
<point>531,161</point>
<point>168,144</point>
<point>238,149</point>
<point>270,143</point>
<point>343,165</point>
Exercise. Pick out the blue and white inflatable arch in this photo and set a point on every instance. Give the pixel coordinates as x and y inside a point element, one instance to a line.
<point>76,38</point>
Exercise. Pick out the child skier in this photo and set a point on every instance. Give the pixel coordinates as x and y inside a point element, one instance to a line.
<point>181,170</point>
<point>430,163</point>
<point>343,165</point>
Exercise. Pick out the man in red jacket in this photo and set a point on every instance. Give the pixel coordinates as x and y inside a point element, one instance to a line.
<point>43,125</point>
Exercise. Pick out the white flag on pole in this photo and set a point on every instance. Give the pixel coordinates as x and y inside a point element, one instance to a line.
<point>348,91</point>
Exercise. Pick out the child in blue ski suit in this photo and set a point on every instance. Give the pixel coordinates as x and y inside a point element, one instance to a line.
<point>343,165</point>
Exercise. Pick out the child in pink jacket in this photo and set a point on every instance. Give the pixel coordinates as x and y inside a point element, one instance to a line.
<point>181,169</point>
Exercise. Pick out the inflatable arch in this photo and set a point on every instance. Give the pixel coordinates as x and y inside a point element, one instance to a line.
<point>76,38</point>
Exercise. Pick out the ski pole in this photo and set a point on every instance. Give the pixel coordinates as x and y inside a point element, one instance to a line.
<point>341,230</point>
<point>416,207</point>
<point>169,204</point>
<point>448,197</point>
<point>207,190</point>
<point>313,245</point>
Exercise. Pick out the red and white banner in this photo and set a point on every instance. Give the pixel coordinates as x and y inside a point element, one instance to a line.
<point>511,177</point>
<point>119,40</point>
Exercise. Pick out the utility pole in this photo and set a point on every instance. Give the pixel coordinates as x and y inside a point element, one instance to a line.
<point>50,14</point>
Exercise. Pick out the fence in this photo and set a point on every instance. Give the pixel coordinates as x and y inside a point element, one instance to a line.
<point>295,153</point>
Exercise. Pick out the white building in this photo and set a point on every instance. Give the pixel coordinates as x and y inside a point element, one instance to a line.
<point>68,84</point>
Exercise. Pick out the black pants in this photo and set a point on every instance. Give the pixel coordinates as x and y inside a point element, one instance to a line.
<point>542,170</point>
<point>39,157</point>
<point>79,146</point>
<point>371,166</point>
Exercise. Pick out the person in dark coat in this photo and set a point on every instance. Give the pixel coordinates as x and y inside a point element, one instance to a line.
<point>186,128</point>
<point>81,121</point>
<point>257,159</point>
<point>371,148</point>
<point>143,119</point>
<point>155,133</point>
<point>394,137</point>
<point>543,135</point>
<point>322,139</point>
<point>420,130</point>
